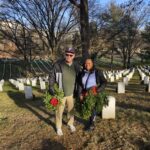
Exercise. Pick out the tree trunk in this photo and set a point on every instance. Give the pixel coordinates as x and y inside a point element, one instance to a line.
<point>25,57</point>
<point>30,59</point>
<point>112,55</point>
<point>84,22</point>
<point>129,62</point>
<point>124,61</point>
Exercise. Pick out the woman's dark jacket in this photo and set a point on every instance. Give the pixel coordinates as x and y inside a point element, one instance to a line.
<point>100,81</point>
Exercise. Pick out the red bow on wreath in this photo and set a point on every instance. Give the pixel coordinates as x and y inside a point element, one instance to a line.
<point>94,90</point>
<point>84,93</point>
<point>54,102</point>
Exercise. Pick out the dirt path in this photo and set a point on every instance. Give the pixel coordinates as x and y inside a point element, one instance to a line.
<point>26,124</point>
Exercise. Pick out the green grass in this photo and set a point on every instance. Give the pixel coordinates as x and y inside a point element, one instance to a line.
<point>26,124</point>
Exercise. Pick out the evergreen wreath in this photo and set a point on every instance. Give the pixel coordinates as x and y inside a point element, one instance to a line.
<point>91,100</point>
<point>52,102</point>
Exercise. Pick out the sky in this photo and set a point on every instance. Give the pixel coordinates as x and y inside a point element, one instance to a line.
<point>103,2</point>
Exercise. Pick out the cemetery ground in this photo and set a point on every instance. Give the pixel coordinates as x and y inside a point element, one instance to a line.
<point>26,124</point>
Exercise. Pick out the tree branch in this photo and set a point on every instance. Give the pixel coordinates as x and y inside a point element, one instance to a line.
<point>74,2</point>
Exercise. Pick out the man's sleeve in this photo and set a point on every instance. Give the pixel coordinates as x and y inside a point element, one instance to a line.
<point>52,81</point>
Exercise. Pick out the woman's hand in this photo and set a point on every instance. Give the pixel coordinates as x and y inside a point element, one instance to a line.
<point>81,97</point>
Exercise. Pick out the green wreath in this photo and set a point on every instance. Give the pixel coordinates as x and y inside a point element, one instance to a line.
<point>90,102</point>
<point>52,102</point>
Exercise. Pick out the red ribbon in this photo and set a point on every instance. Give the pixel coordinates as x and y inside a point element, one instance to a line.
<point>54,102</point>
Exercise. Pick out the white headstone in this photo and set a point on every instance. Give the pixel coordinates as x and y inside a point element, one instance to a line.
<point>117,76</point>
<point>28,82</point>
<point>112,79</point>
<point>105,76</point>
<point>1,87</point>
<point>40,79</point>
<point>129,76</point>
<point>34,81</point>
<point>21,86</point>
<point>121,87</point>
<point>17,84</point>
<point>125,80</point>
<point>22,80</point>
<point>42,85</point>
<point>142,76</point>
<point>120,75</point>
<point>109,112</point>
<point>46,79</point>
<point>12,81</point>
<point>146,79</point>
<point>2,82</point>
<point>28,92</point>
<point>149,87</point>
<point>109,75</point>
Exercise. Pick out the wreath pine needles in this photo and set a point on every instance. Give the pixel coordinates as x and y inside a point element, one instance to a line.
<point>90,102</point>
<point>52,102</point>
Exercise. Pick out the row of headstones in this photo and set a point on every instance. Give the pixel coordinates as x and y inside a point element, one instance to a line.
<point>1,85</point>
<point>145,69</point>
<point>108,112</point>
<point>145,79</point>
<point>115,75</point>
<point>24,85</point>
<point>121,85</point>
<point>21,87</point>
<point>20,83</point>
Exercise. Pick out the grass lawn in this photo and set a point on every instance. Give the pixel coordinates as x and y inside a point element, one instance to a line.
<point>26,124</point>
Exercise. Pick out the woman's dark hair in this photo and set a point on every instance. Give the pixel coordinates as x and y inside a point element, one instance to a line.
<point>89,57</point>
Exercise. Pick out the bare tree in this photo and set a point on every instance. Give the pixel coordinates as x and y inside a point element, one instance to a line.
<point>145,54</point>
<point>121,29</point>
<point>50,19</point>
<point>17,33</point>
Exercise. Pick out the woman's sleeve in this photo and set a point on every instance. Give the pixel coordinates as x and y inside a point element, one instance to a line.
<point>102,81</point>
<point>79,84</point>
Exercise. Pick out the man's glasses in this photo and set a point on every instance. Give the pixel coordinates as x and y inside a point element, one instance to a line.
<point>68,55</point>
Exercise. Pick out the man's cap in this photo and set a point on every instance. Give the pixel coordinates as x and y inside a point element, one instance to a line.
<point>70,50</point>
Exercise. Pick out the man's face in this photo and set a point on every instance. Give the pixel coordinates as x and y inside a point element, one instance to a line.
<point>69,57</point>
<point>88,64</point>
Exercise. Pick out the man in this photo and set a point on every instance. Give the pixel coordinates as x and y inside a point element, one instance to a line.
<point>64,74</point>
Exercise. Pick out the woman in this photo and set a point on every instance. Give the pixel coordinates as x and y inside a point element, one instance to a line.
<point>87,79</point>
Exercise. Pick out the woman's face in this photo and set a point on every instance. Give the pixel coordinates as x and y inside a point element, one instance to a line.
<point>88,64</point>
